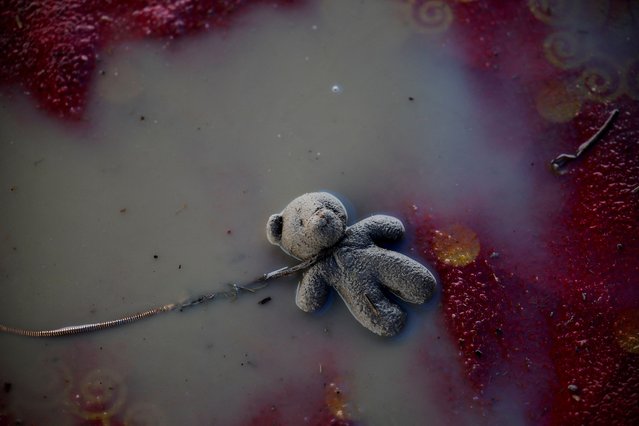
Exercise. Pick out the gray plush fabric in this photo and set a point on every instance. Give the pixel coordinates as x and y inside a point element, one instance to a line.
<point>356,267</point>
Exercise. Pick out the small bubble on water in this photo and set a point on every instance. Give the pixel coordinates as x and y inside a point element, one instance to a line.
<point>336,88</point>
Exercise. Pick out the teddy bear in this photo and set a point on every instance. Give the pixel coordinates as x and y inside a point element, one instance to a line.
<point>350,261</point>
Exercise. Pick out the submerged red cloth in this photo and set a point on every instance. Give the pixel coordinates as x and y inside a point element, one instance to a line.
<point>52,48</point>
<point>565,336</point>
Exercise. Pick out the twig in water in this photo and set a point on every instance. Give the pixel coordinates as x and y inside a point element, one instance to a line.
<point>254,286</point>
<point>562,159</point>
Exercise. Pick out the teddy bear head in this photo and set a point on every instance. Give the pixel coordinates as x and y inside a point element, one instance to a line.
<point>310,223</point>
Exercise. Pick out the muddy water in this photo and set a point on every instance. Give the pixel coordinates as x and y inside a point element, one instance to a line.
<point>164,191</point>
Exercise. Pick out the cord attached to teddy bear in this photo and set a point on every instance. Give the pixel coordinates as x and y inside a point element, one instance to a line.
<point>313,228</point>
<point>254,286</point>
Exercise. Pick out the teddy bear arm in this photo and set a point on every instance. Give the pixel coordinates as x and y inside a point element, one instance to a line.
<point>312,290</point>
<point>381,227</point>
<point>405,277</point>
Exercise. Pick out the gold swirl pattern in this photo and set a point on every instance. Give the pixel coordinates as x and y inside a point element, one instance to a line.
<point>576,45</point>
<point>432,16</point>
<point>550,11</point>
<point>101,396</point>
<point>585,40</point>
<point>577,14</point>
<point>564,50</point>
<point>600,81</point>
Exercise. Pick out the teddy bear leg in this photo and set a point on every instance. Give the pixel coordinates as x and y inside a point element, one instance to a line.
<point>312,291</point>
<point>408,279</point>
<point>373,310</point>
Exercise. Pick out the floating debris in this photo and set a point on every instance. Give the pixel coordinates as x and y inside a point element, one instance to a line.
<point>182,208</point>
<point>561,160</point>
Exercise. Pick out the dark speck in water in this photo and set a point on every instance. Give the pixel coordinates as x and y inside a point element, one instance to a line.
<point>265,300</point>
<point>8,386</point>
<point>155,256</point>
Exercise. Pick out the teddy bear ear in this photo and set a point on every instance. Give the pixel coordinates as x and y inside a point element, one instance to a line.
<point>274,229</point>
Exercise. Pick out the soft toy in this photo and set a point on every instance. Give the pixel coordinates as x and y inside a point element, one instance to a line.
<point>348,260</point>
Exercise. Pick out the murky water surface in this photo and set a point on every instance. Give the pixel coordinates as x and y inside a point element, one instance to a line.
<point>164,191</point>
<point>185,154</point>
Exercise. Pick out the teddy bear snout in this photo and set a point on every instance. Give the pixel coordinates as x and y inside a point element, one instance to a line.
<point>326,226</point>
<point>324,218</point>
<point>321,220</point>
